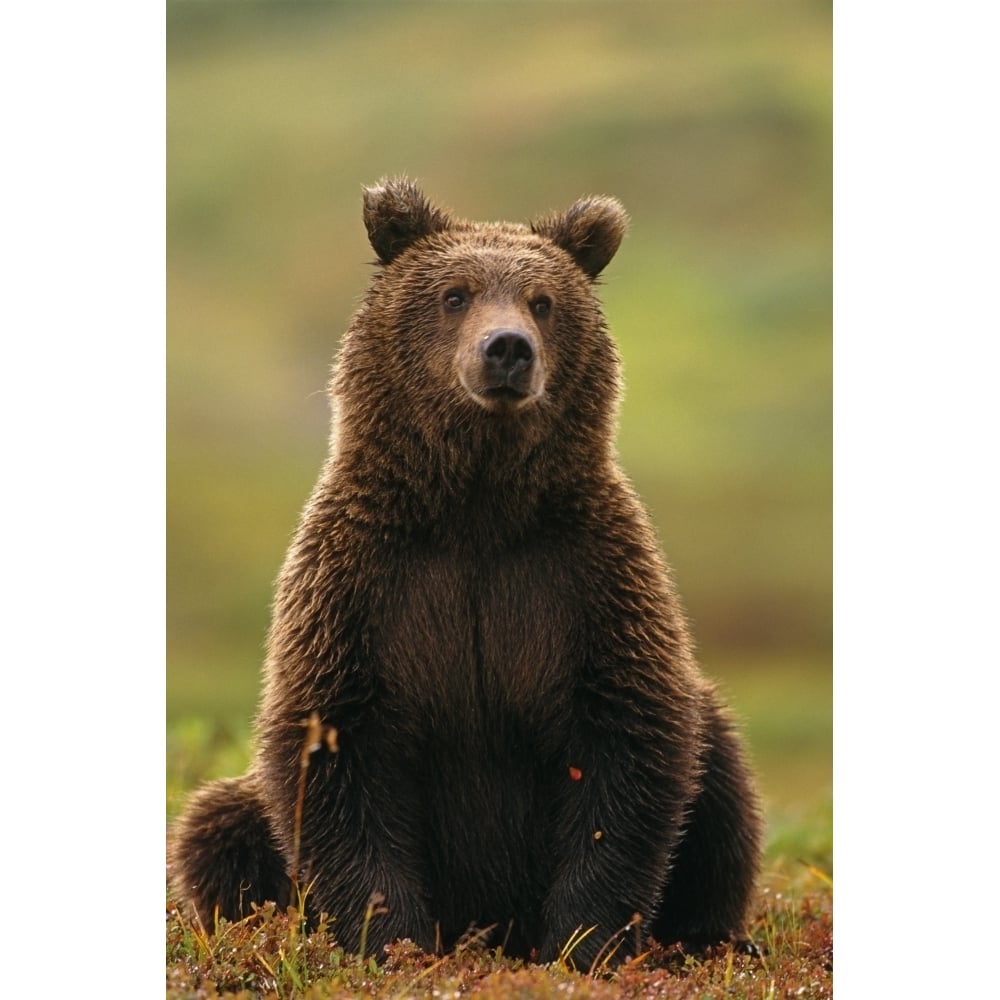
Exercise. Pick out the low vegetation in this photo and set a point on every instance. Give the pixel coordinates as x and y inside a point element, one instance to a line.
<point>270,955</point>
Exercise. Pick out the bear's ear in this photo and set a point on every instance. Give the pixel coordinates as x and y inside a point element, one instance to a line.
<point>590,231</point>
<point>396,215</point>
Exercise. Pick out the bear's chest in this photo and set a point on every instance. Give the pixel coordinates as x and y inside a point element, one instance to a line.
<point>475,652</point>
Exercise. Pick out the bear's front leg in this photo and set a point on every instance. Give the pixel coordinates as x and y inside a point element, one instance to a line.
<point>619,819</point>
<point>359,861</point>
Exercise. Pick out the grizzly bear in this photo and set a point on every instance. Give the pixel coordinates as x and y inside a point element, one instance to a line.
<point>476,613</point>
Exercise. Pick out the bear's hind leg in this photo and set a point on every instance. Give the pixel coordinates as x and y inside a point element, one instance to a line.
<point>711,884</point>
<point>223,856</point>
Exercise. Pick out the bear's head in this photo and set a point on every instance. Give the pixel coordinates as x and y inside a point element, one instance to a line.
<point>485,332</point>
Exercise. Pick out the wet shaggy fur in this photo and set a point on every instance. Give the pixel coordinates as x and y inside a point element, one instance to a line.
<point>476,601</point>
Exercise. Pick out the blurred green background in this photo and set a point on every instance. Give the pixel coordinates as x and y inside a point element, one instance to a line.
<point>710,120</point>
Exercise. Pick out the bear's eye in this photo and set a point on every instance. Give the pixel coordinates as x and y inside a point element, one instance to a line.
<point>455,299</point>
<point>541,307</point>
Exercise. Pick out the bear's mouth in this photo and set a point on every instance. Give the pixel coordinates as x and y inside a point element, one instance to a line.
<point>505,394</point>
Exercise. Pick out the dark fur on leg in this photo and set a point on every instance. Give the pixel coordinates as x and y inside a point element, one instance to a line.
<point>223,856</point>
<point>710,889</point>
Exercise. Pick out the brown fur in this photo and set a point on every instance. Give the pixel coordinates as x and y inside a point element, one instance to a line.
<point>475,599</point>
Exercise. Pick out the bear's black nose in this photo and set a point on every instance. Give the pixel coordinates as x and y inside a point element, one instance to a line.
<point>507,356</point>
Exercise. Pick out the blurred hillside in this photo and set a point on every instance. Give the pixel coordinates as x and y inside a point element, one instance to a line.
<point>710,121</point>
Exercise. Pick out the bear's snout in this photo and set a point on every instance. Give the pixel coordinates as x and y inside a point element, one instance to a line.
<point>507,357</point>
<point>503,368</point>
